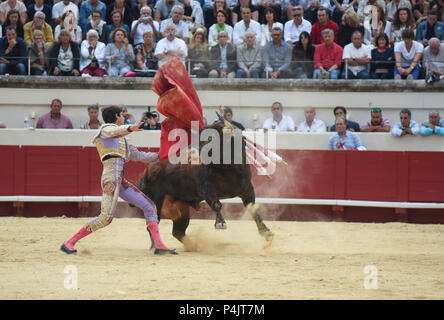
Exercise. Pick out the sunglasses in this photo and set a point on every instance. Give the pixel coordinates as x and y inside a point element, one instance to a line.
<point>374,110</point>
<point>297,15</point>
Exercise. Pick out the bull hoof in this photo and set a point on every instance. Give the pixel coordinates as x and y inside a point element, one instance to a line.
<point>268,235</point>
<point>220,225</point>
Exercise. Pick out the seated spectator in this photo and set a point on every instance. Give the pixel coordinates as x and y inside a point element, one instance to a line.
<point>343,139</point>
<point>59,8</point>
<point>236,11</point>
<point>223,58</point>
<point>86,10</point>
<point>93,114</point>
<point>367,9</point>
<point>193,14</point>
<point>356,58</point>
<point>432,28</point>
<point>393,6</point>
<point>145,22</point>
<point>340,8</point>
<point>163,8</point>
<point>150,121</point>
<point>340,111</point>
<point>40,6</point>
<point>350,23</point>
<point>248,57</point>
<point>12,53</point>
<point>182,31</point>
<point>327,58</point>
<point>220,25</point>
<point>210,15</point>
<point>116,22</point>
<point>96,23</point>
<point>274,5</point>
<point>420,10</point>
<point>383,59</point>
<point>375,25</point>
<point>92,55</point>
<point>69,23</point>
<point>9,5</point>
<point>406,125</point>
<point>198,54</point>
<point>119,54</point>
<point>54,119</point>
<point>170,47</point>
<point>311,124</point>
<point>228,115</point>
<point>276,57</point>
<point>124,8</point>
<point>279,121</point>
<point>38,53</point>
<point>129,118</point>
<point>302,57</point>
<point>146,61</point>
<point>64,56</point>
<point>408,55</point>
<point>270,23</point>
<point>376,123</point>
<point>433,58</point>
<point>312,7</point>
<point>135,10</point>
<point>246,24</point>
<point>402,20</point>
<point>323,23</point>
<point>13,19</point>
<point>38,23</point>
<point>435,125</point>
<point>293,28</point>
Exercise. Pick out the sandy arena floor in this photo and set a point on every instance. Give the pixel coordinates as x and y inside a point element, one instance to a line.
<point>306,260</point>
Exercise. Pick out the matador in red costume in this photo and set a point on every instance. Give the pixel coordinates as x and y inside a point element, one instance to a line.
<point>178,102</point>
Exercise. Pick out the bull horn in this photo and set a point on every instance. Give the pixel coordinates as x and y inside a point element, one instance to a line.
<point>226,123</point>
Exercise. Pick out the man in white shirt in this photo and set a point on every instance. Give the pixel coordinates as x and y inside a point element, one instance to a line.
<point>170,46</point>
<point>311,124</point>
<point>61,7</point>
<point>406,125</point>
<point>357,56</point>
<point>182,30</point>
<point>144,23</point>
<point>293,28</point>
<point>241,27</point>
<point>279,121</point>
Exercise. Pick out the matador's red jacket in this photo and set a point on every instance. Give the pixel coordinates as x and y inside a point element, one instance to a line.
<point>178,101</point>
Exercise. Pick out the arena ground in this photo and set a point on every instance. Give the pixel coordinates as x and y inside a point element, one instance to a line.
<point>306,260</point>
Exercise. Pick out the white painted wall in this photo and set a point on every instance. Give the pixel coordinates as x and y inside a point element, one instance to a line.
<point>16,103</point>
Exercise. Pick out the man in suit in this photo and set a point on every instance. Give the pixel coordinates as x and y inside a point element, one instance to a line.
<point>223,58</point>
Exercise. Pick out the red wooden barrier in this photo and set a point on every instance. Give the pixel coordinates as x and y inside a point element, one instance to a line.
<point>311,174</point>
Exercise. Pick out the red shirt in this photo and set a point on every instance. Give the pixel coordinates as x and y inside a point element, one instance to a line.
<point>331,56</point>
<point>316,31</point>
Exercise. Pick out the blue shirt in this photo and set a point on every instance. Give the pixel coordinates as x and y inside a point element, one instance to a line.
<point>350,141</point>
<point>86,10</point>
<point>427,131</point>
<point>17,54</point>
<point>276,58</point>
<point>397,128</point>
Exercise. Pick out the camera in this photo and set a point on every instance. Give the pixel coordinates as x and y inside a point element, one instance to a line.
<point>149,114</point>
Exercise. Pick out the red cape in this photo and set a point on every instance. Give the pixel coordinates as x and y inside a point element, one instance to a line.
<point>178,101</point>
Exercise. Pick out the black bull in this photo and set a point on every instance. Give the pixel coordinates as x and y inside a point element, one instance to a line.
<point>174,188</point>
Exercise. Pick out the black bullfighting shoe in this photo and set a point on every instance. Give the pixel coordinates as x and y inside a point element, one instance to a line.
<point>164,251</point>
<point>65,249</point>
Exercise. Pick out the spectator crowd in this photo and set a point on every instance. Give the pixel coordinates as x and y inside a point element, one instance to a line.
<point>320,39</point>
